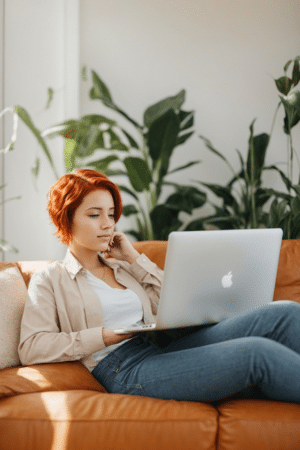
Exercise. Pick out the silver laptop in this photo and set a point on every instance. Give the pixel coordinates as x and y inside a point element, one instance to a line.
<point>210,276</point>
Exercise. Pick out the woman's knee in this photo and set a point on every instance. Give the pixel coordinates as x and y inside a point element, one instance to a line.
<point>287,308</point>
<point>262,351</point>
<point>255,348</point>
<point>282,308</point>
<point>286,303</point>
<point>272,368</point>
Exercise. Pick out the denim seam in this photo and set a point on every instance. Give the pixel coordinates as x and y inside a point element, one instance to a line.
<point>130,386</point>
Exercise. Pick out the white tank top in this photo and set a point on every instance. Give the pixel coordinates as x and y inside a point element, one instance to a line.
<point>121,308</point>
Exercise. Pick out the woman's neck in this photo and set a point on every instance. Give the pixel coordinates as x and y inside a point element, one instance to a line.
<point>88,258</point>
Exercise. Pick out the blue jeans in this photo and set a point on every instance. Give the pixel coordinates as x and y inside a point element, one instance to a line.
<point>254,352</point>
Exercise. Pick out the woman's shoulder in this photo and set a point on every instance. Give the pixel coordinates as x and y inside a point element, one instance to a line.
<point>51,270</point>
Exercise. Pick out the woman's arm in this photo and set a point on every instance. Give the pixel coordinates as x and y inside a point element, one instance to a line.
<point>42,340</point>
<point>146,272</point>
<point>110,338</point>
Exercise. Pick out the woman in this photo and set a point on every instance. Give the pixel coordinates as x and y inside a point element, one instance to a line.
<point>103,283</point>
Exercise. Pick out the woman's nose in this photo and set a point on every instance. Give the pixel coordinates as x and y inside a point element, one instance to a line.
<point>105,223</point>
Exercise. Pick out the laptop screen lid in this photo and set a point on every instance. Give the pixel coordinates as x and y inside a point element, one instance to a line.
<point>210,276</point>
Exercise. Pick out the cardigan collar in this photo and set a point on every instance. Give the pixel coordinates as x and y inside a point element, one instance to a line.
<point>73,266</point>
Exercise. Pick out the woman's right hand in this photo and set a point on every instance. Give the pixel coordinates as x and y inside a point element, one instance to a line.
<point>110,337</point>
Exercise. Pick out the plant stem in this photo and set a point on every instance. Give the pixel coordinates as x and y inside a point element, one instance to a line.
<point>291,156</point>
<point>145,149</point>
<point>273,122</point>
<point>147,216</point>
<point>149,195</point>
<point>252,196</point>
<point>145,226</point>
<point>5,110</point>
<point>289,228</point>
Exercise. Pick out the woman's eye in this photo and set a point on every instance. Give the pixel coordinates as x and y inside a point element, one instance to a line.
<point>98,215</point>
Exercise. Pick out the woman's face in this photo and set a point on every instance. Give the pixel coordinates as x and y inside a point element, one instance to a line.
<point>93,221</point>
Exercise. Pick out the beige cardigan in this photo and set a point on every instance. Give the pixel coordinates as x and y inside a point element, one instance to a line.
<point>63,320</point>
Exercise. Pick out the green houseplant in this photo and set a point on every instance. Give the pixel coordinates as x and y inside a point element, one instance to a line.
<point>244,196</point>
<point>143,157</point>
<point>285,208</point>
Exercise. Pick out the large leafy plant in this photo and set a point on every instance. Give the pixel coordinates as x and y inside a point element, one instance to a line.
<point>141,153</point>
<point>245,202</point>
<point>285,208</point>
<point>243,197</point>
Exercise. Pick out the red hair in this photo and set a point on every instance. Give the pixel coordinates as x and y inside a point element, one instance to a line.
<point>68,192</point>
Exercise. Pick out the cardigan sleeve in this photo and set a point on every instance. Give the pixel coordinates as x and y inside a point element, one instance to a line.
<point>41,340</point>
<point>150,277</point>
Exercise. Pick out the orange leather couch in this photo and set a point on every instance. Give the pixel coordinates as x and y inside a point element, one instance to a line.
<point>61,406</point>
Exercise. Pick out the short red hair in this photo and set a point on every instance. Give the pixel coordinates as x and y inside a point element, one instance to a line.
<point>68,192</point>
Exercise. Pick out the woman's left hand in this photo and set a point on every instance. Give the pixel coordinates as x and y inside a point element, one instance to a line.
<point>120,247</point>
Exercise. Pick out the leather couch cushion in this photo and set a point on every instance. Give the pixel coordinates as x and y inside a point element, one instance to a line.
<point>256,424</point>
<point>47,377</point>
<point>28,267</point>
<point>91,420</point>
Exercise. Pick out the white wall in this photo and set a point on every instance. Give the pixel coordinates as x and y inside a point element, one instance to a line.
<point>223,52</point>
<point>1,123</point>
<point>37,57</point>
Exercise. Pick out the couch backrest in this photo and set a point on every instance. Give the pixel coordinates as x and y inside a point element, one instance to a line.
<point>288,275</point>
<point>155,250</point>
<point>287,285</point>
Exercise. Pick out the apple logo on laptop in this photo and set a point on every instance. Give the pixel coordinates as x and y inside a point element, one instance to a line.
<point>227,280</point>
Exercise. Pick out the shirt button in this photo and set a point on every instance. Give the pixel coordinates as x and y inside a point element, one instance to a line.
<point>144,260</point>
